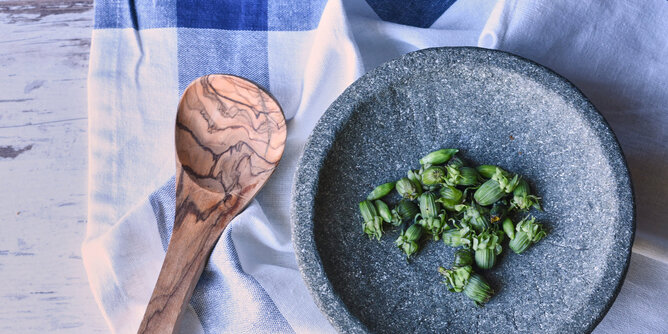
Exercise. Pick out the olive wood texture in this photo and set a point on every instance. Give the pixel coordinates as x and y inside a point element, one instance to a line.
<point>230,136</point>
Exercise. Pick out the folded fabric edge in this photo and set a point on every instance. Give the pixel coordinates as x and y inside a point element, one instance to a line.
<point>101,254</point>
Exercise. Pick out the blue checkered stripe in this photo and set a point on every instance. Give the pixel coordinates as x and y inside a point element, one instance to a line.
<point>214,36</point>
<point>242,49</point>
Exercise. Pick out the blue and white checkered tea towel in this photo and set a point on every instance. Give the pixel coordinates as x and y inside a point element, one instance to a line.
<point>144,53</point>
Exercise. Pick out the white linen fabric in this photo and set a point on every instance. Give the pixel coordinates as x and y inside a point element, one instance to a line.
<point>615,52</point>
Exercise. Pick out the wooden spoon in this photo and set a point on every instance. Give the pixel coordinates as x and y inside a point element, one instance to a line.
<point>230,135</point>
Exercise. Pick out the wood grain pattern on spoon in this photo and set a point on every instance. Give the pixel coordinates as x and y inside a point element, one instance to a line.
<point>230,136</point>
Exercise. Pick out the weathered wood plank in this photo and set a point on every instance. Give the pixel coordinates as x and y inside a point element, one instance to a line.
<point>43,167</point>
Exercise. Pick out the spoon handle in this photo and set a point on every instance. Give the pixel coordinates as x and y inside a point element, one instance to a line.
<point>199,222</point>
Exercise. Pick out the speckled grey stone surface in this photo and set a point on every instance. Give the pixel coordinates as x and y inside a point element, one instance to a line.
<point>474,100</point>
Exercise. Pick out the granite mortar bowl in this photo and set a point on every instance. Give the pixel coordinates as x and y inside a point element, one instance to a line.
<point>496,108</point>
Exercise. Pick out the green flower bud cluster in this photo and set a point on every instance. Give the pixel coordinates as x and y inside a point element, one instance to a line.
<point>470,208</point>
<point>464,279</point>
<point>475,215</point>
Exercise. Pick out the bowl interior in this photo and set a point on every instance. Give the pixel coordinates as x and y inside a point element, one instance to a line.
<point>497,109</point>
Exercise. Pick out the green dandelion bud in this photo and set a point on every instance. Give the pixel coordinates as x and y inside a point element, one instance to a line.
<point>509,228</point>
<point>383,210</point>
<point>380,191</point>
<point>404,211</point>
<point>463,279</point>
<point>458,237</point>
<point>450,196</point>
<point>523,200</point>
<point>438,157</point>
<point>487,171</point>
<point>463,257</point>
<point>408,189</point>
<point>487,245</point>
<point>504,183</point>
<point>528,232</point>
<point>488,193</point>
<point>433,175</point>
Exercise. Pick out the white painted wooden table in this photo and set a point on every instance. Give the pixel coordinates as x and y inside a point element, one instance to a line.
<point>44,49</point>
<point>43,167</point>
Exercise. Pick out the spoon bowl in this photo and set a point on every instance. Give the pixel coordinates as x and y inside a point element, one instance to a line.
<point>230,136</point>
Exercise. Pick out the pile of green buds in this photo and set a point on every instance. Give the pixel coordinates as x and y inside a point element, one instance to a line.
<point>474,208</point>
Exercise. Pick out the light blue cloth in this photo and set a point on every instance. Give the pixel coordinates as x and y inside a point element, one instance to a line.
<point>144,53</point>
<point>214,299</point>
